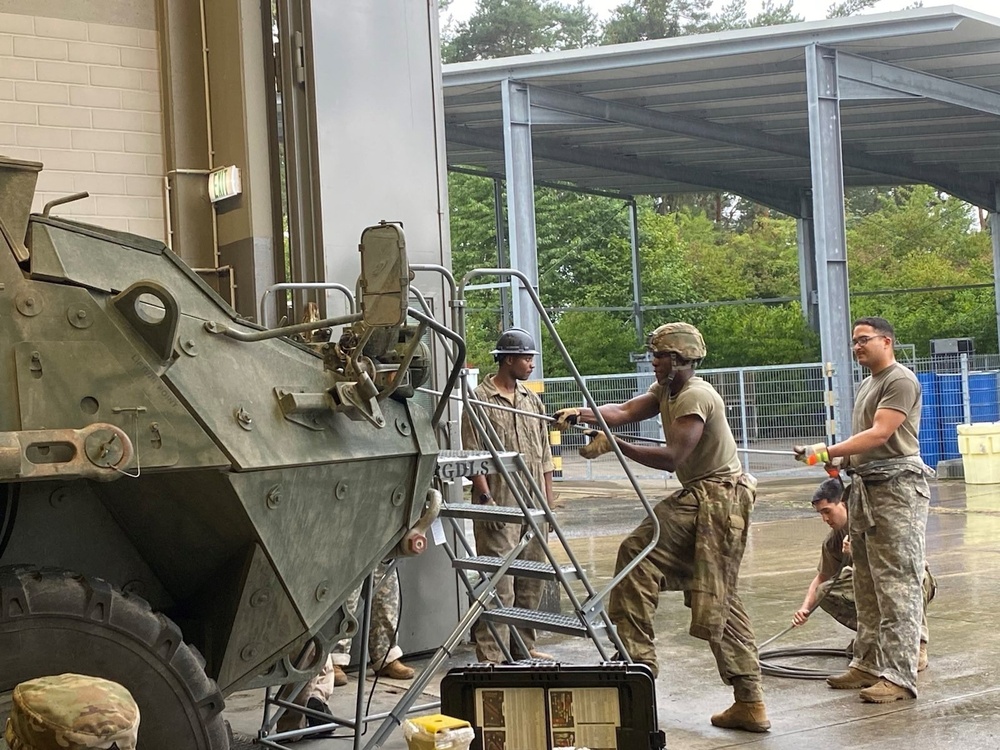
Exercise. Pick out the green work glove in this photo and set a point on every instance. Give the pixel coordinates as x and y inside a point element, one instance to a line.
<point>565,418</point>
<point>598,445</point>
<point>812,454</point>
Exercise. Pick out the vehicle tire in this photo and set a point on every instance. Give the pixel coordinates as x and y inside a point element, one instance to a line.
<point>53,621</point>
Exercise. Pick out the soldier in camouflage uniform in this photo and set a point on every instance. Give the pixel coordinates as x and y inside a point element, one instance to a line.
<point>515,354</point>
<point>702,528</point>
<point>72,712</point>
<point>887,505</point>
<point>833,587</point>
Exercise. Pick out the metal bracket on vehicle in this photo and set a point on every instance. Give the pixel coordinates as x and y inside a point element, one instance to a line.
<point>154,314</point>
<point>306,409</point>
<point>98,451</point>
<point>359,399</point>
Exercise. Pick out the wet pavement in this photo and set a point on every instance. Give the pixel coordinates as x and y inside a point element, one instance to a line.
<point>959,698</point>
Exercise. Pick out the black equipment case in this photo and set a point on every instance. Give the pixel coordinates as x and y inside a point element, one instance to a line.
<point>542,706</point>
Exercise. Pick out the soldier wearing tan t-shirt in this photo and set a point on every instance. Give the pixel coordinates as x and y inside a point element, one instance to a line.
<point>702,528</point>
<point>887,502</point>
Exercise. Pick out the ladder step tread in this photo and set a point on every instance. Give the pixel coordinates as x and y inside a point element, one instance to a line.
<point>519,568</point>
<point>530,618</point>
<point>503,513</point>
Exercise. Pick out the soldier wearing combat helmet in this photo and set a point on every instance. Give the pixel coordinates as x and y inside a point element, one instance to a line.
<point>515,356</point>
<point>72,712</point>
<point>703,527</point>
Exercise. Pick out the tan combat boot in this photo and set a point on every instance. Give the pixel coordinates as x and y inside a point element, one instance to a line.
<point>396,670</point>
<point>750,717</point>
<point>339,676</point>
<point>885,692</point>
<point>852,679</point>
<point>922,659</point>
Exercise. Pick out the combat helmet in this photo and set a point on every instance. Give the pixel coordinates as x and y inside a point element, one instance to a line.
<point>514,341</point>
<point>72,712</point>
<point>682,339</point>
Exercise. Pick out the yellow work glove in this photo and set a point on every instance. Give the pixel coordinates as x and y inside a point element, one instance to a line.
<point>812,454</point>
<point>598,445</point>
<point>565,418</point>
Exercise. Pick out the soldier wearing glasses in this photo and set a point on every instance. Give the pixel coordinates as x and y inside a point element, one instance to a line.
<point>703,527</point>
<point>888,500</point>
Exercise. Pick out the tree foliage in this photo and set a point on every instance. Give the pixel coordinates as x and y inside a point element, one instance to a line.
<point>709,273</point>
<point>501,28</point>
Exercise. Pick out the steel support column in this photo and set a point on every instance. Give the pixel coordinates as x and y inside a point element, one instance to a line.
<point>633,235</point>
<point>498,222</point>
<point>521,206</point>
<point>805,235</point>
<point>995,234</point>
<point>830,230</point>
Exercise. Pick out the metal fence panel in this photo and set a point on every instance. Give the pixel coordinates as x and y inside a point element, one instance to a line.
<point>769,408</point>
<point>776,407</point>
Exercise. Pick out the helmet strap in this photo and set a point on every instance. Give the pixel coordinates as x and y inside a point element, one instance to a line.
<point>678,363</point>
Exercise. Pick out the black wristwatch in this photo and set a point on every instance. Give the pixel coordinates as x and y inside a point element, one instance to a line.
<point>484,498</point>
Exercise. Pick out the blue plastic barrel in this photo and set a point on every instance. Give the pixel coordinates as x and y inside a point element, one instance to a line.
<point>985,406</point>
<point>952,413</point>
<point>930,418</point>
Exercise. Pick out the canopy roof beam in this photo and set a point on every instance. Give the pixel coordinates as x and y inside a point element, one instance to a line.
<point>775,196</point>
<point>603,112</point>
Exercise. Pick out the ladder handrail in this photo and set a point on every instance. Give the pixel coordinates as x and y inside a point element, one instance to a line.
<point>544,317</point>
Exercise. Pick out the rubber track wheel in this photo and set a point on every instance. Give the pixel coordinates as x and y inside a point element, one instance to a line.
<point>53,621</point>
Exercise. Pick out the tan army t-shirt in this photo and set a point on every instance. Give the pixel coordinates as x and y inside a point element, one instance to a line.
<point>895,388</point>
<point>715,454</point>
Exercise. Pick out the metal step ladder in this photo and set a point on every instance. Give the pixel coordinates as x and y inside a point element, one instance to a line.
<point>588,618</point>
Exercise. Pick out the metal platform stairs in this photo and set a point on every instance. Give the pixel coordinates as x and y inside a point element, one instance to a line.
<point>479,575</point>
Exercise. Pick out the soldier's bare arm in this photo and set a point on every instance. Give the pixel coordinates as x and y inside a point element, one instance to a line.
<point>885,423</point>
<point>641,407</point>
<point>802,614</point>
<point>682,439</point>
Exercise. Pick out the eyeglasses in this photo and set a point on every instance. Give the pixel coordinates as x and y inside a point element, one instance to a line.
<point>660,355</point>
<point>862,340</point>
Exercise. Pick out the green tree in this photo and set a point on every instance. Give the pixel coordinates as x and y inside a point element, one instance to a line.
<point>734,16</point>
<point>920,238</point>
<point>642,20</point>
<point>502,28</point>
<point>849,8</point>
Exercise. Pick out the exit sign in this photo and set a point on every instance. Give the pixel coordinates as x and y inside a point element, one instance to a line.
<point>223,183</point>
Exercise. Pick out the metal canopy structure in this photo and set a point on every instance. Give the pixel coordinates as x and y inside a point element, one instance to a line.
<point>785,116</point>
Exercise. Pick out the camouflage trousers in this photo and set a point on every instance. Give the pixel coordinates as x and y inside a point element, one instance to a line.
<point>888,577</point>
<point>837,600</point>
<point>382,648</point>
<point>633,602</point>
<point>498,541</point>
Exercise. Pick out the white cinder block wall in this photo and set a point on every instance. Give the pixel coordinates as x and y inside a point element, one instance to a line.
<point>84,99</point>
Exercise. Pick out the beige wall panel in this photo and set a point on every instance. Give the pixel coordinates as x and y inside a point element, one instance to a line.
<point>79,91</point>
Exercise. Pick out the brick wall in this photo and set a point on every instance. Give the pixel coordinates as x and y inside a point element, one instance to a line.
<point>84,99</point>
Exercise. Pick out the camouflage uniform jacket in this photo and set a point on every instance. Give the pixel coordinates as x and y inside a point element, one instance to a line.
<point>722,526</point>
<point>517,432</point>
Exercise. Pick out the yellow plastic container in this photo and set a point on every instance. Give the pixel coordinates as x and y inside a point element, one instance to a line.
<point>979,445</point>
<point>438,732</point>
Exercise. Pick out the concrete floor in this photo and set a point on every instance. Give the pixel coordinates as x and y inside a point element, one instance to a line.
<point>959,698</point>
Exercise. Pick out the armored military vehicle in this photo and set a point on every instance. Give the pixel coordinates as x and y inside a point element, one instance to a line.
<point>186,499</point>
